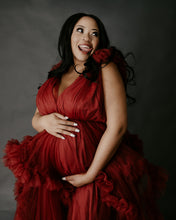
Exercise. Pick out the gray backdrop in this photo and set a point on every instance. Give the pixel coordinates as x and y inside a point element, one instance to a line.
<point>28,35</point>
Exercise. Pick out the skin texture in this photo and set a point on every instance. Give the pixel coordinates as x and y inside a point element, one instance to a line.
<point>115,105</point>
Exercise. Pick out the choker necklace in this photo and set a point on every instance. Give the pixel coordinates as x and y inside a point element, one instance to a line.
<point>74,66</point>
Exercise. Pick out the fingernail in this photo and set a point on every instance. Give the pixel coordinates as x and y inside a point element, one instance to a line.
<point>77,130</point>
<point>72,135</point>
<point>75,124</point>
<point>63,178</point>
<point>63,138</point>
<point>66,117</point>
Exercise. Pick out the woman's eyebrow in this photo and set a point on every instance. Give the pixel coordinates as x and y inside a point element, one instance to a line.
<point>84,27</point>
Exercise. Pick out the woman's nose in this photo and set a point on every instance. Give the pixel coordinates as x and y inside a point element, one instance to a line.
<point>86,37</point>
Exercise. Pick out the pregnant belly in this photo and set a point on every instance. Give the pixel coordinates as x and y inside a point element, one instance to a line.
<point>75,154</point>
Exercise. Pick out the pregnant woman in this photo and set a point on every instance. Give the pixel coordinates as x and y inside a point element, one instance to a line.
<point>83,164</point>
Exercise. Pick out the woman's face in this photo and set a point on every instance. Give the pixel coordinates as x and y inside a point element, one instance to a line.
<point>84,39</point>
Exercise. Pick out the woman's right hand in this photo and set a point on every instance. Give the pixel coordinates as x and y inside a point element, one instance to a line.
<point>55,124</point>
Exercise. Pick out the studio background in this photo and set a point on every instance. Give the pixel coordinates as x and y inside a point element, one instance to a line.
<point>28,36</point>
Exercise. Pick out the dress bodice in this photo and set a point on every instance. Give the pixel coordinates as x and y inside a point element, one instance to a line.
<point>82,100</point>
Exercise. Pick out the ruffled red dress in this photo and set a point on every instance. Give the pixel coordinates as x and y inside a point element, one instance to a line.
<point>126,189</point>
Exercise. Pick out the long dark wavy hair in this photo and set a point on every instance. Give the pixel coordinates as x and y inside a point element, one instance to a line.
<point>65,52</point>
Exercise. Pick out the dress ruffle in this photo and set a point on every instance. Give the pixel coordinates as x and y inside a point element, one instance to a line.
<point>127,185</point>
<point>117,183</point>
<point>16,159</point>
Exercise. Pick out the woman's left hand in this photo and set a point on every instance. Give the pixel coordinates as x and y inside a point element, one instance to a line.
<point>78,180</point>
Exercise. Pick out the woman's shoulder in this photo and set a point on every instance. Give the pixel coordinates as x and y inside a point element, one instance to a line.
<point>110,72</point>
<point>112,62</point>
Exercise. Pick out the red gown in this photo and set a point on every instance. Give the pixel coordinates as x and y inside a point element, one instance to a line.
<point>126,189</point>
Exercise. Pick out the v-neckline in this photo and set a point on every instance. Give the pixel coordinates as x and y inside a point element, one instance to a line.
<point>57,84</point>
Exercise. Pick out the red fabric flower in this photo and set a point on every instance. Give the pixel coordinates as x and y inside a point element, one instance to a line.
<point>102,55</point>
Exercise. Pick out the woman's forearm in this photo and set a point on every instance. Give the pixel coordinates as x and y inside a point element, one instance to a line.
<point>107,147</point>
<point>37,122</point>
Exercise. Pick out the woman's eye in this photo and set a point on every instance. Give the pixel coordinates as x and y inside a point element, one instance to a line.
<point>80,30</point>
<point>95,34</point>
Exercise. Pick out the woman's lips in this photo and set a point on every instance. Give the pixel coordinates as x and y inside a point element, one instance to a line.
<point>85,48</point>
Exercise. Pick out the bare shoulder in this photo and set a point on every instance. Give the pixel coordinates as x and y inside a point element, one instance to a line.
<point>110,73</point>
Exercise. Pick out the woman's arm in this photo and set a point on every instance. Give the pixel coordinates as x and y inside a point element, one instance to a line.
<point>116,112</point>
<point>36,121</point>
<point>54,123</point>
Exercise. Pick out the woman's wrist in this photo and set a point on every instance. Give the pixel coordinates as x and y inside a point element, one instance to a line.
<point>91,174</point>
<point>38,122</point>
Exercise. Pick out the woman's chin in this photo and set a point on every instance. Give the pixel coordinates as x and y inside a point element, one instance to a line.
<point>81,60</point>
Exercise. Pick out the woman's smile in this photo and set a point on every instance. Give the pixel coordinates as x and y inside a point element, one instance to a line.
<point>85,48</point>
